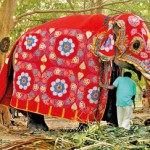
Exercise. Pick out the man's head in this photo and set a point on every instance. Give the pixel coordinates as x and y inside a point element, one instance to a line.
<point>127,74</point>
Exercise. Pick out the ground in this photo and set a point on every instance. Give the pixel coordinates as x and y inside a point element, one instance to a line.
<point>20,138</point>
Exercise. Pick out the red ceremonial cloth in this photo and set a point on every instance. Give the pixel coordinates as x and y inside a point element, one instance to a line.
<point>56,72</point>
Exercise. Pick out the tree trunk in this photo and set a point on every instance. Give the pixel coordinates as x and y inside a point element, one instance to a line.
<point>98,3</point>
<point>6,16</point>
<point>6,23</point>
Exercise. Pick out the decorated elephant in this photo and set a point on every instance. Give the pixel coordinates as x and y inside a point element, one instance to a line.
<point>55,69</point>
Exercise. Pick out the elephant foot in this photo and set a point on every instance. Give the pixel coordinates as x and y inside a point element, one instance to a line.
<point>36,123</point>
<point>37,127</point>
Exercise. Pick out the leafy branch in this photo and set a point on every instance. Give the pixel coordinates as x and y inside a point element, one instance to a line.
<point>67,11</point>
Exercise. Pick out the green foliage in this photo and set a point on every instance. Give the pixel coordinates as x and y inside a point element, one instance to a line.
<point>106,138</point>
<point>139,7</point>
<point>30,21</point>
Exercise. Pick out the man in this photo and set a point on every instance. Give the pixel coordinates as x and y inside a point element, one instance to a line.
<point>126,90</point>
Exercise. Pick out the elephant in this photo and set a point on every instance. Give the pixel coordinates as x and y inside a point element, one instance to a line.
<point>55,69</point>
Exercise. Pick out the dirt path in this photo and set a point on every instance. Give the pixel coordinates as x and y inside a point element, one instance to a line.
<point>20,132</point>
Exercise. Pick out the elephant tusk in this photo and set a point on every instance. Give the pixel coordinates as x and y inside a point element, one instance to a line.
<point>146,75</point>
<point>148,81</point>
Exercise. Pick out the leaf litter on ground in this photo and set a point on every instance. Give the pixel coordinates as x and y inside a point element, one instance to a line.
<point>101,136</point>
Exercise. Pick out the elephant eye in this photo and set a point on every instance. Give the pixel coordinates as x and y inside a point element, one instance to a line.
<point>136,45</point>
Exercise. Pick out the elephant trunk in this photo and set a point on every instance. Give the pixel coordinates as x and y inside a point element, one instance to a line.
<point>148,91</point>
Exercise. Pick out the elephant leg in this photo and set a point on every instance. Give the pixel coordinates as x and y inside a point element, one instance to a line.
<point>5,115</point>
<point>36,122</point>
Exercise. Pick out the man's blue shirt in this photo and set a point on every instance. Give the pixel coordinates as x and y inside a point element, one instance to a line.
<point>126,88</point>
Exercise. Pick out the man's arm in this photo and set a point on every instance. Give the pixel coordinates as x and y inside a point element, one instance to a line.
<point>110,87</point>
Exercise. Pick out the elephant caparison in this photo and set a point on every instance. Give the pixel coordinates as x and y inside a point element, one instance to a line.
<point>55,69</point>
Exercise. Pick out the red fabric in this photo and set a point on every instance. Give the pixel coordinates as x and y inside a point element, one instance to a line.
<point>7,97</point>
<point>83,22</point>
<point>6,84</point>
<point>6,78</point>
<point>56,72</point>
<point>134,29</point>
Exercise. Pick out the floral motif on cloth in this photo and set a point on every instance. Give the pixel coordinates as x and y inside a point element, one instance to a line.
<point>23,81</point>
<point>56,73</point>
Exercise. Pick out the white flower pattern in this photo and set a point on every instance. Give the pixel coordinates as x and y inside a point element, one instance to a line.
<point>66,47</point>
<point>30,42</point>
<point>24,81</point>
<point>59,87</point>
<point>93,95</point>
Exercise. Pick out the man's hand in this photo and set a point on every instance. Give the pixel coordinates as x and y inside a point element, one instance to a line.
<point>100,84</point>
<point>110,87</point>
<point>103,85</point>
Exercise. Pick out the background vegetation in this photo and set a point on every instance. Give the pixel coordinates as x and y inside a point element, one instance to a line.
<point>30,13</point>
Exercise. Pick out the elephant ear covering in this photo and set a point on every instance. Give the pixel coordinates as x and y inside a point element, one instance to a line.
<point>103,45</point>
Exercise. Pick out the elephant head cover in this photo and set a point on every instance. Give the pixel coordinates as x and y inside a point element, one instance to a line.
<point>57,65</point>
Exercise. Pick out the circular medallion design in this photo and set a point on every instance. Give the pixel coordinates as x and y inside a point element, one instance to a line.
<point>66,49</point>
<point>23,81</point>
<point>93,95</point>
<point>30,42</point>
<point>66,46</point>
<point>59,87</point>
